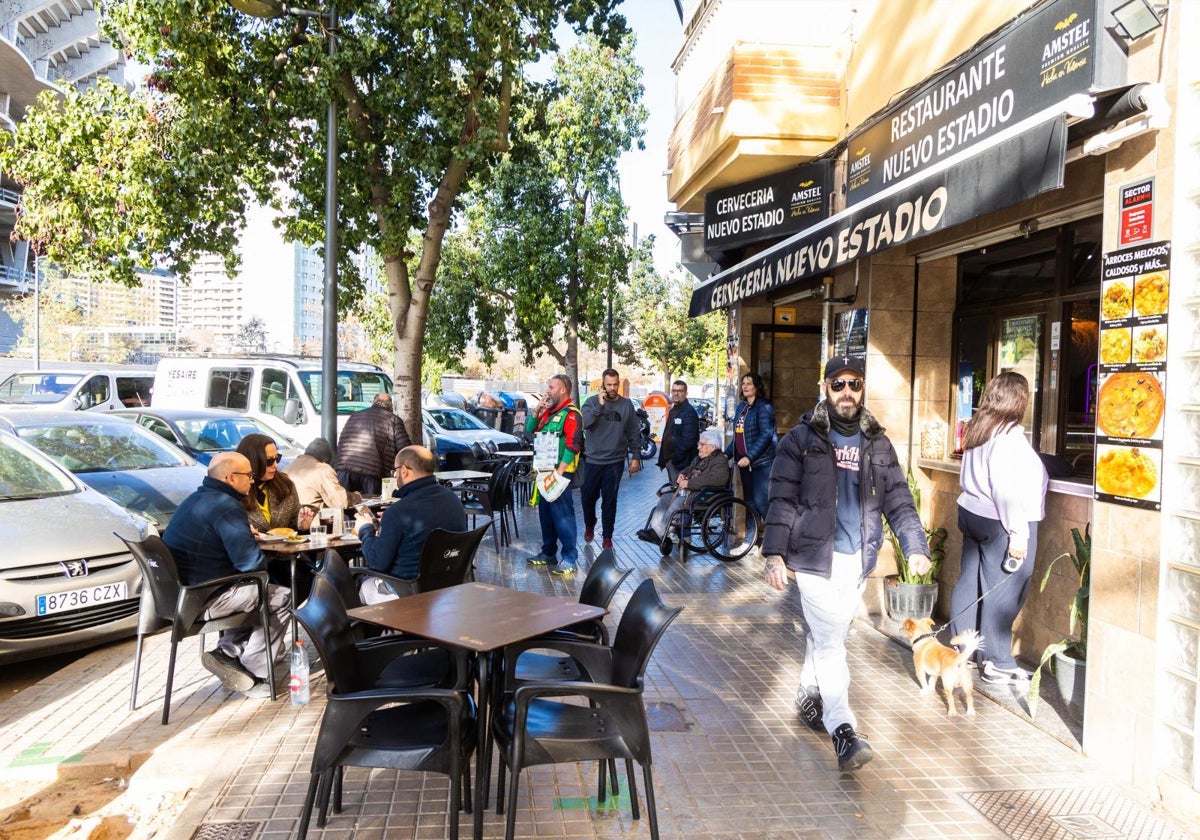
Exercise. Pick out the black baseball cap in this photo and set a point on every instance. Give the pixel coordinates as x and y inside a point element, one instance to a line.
<point>838,364</point>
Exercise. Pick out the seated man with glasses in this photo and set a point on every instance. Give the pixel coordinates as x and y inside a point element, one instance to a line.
<point>209,537</point>
<point>424,505</point>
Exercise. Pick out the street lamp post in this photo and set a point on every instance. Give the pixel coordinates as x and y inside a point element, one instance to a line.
<point>329,355</point>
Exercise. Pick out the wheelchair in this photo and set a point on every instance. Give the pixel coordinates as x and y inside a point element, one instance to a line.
<point>708,523</point>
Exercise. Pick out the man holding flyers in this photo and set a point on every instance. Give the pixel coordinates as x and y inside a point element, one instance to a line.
<point>557,429</point>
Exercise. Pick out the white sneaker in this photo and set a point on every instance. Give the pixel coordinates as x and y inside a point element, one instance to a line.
<point>1003,676</point>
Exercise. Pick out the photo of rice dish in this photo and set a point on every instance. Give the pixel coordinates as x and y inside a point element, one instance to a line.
<point>1150,293</point>
<point>1117,302</point>
<point>1149,344</point>
<point>1115,346</point>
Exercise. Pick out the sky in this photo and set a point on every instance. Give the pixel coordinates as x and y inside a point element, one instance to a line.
<point>643,184</point>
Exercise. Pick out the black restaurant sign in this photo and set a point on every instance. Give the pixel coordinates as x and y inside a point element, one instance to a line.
<point>1038,60</point>
<point>766,208</point>
<point>1009,171</point>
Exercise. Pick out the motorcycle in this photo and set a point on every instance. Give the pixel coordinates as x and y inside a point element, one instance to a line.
<point>649,447</point>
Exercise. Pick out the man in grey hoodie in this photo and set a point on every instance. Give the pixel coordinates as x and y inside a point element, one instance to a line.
<point>610,429</point>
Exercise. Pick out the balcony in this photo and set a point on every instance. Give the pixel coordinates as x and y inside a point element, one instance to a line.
<point>765,107</point>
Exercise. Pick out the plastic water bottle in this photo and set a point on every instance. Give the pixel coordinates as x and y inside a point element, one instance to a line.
<point>299,682</point>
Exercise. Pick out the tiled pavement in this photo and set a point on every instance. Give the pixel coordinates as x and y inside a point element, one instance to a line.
<point>730,759</point>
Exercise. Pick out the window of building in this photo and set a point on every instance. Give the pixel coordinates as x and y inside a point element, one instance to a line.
<point>1031,305</point>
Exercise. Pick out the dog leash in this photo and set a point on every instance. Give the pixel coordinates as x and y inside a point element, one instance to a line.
<point>935,630</point>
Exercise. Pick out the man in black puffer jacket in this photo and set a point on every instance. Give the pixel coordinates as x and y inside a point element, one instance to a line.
<point>836,475</point>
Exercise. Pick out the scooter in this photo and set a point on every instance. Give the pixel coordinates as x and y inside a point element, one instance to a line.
<point>649,447</point>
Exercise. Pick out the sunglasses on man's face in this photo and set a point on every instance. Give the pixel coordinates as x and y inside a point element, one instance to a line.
<point>836,385</point>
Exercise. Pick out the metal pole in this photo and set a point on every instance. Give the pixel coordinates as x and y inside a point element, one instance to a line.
<point>329,353</point>
<point>37,312</point>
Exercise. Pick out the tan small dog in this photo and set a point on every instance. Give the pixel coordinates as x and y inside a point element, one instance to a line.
<point>933,659</point>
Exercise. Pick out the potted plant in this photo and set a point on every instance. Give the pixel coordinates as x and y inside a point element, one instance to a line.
<point>908,594</point>
<point>1068,657</point>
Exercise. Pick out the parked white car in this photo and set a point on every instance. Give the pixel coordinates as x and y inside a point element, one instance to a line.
<point>66,582</point>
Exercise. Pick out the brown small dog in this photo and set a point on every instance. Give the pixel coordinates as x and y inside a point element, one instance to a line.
<point>933,659</point>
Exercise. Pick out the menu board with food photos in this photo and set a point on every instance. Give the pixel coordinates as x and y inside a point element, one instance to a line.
<point>1131,396</point>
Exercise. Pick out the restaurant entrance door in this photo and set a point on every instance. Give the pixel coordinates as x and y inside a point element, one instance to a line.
<point>789,359</point>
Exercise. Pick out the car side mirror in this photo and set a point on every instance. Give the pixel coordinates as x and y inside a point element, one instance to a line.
<point>291,412</point>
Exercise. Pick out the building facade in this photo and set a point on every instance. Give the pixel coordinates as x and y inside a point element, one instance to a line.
<point>953,190</point>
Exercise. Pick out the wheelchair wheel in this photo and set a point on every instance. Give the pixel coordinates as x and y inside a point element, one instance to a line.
<point>691,529</point>
<point>719,527</point>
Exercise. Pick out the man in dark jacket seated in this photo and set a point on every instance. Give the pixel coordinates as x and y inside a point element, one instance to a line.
<point>209,537</point>
<point>709,469</point>
<point>423,506</point>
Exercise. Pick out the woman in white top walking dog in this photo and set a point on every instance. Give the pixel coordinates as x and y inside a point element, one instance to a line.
<point>1002,501</point>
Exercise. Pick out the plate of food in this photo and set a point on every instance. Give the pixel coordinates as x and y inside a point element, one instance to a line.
<point>1150,293</point>
<point>1117,302</point>
<point>1115,346</point>
<point>282,532</point>
<point>1126,471</point>
<point>295,538</point>
<point>1130,405</point>
<point>271,538</point>
<point>1150,344</point>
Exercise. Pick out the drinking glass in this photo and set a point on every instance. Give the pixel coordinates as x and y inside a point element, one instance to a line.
<point>317,533</point>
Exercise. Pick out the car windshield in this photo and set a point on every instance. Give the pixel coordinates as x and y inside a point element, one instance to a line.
<point>453,420</point>
<point>86,447</point>
<point>34,388</point>
<point>356,388</point>
<point>27,474</point>
<point>205,434</point>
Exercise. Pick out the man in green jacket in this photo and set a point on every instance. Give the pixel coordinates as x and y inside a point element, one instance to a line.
<point>557,417</point>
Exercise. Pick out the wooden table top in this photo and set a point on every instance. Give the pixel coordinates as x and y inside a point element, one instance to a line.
<point>282,547</point>
<point>477,616</point>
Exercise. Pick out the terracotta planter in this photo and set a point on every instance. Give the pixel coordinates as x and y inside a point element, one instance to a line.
<point>909,600</point>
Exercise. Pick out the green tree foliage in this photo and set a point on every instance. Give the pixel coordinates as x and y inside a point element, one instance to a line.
<point>544,240</point>
<point>234,112</point>
<point>657,333</point>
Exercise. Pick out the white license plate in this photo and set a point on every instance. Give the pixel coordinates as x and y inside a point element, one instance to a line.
<point>77,599</point>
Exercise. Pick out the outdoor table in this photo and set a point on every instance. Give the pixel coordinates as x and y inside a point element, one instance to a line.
<point>377,502</point>
<point>293,551</point>
<point>460,475</point>
<point>483,619</point>
<point>514,453</point>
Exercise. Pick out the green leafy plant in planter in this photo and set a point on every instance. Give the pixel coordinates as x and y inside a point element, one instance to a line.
<point>935,536</point>
<point>1074,648</point>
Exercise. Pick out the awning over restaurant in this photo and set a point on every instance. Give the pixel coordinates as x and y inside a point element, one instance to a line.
<point>1024,161</point>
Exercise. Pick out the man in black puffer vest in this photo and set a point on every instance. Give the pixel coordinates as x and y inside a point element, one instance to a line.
<point>836,475</point>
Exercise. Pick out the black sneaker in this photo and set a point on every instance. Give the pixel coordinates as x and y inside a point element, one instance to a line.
<point>232,674</point>
<point>809,708</point>
<point>852,749</point>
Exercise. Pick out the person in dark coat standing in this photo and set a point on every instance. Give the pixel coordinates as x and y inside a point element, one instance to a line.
<point>681,433</point>
<point>753,444</point>
<point>423,506</point>
<point>836,477</point>
<point>368,445</point>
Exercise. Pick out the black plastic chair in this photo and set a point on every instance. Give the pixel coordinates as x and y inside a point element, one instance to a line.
<point>532,729</point>
<point>431,731</point>
<point>447,559</point>
<point>425,663</point>
<point>168,604</point>
<point>603,580</point>
<point>489,500</point>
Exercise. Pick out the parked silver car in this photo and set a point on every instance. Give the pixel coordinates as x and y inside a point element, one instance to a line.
<point>203,432</point>
<point>131,465</point>
<point>65,581</point>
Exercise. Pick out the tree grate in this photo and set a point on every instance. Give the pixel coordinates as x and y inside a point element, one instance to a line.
<point>226,831</point>
<point>668,717</point>
<point>1069,814</point>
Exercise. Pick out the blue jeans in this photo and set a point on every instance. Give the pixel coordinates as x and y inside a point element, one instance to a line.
<point>558,525</point>
<point>755,484</point>
<point>601,481</point>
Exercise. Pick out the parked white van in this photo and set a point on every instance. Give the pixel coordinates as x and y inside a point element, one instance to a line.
<point>282,391</point>
<point>101,389</point>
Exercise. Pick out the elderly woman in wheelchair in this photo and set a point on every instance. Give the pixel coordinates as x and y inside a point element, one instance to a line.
<point>700,505</point>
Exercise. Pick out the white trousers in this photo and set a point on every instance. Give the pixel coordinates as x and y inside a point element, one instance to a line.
<point>828,607</point>
<point>249,645</point>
